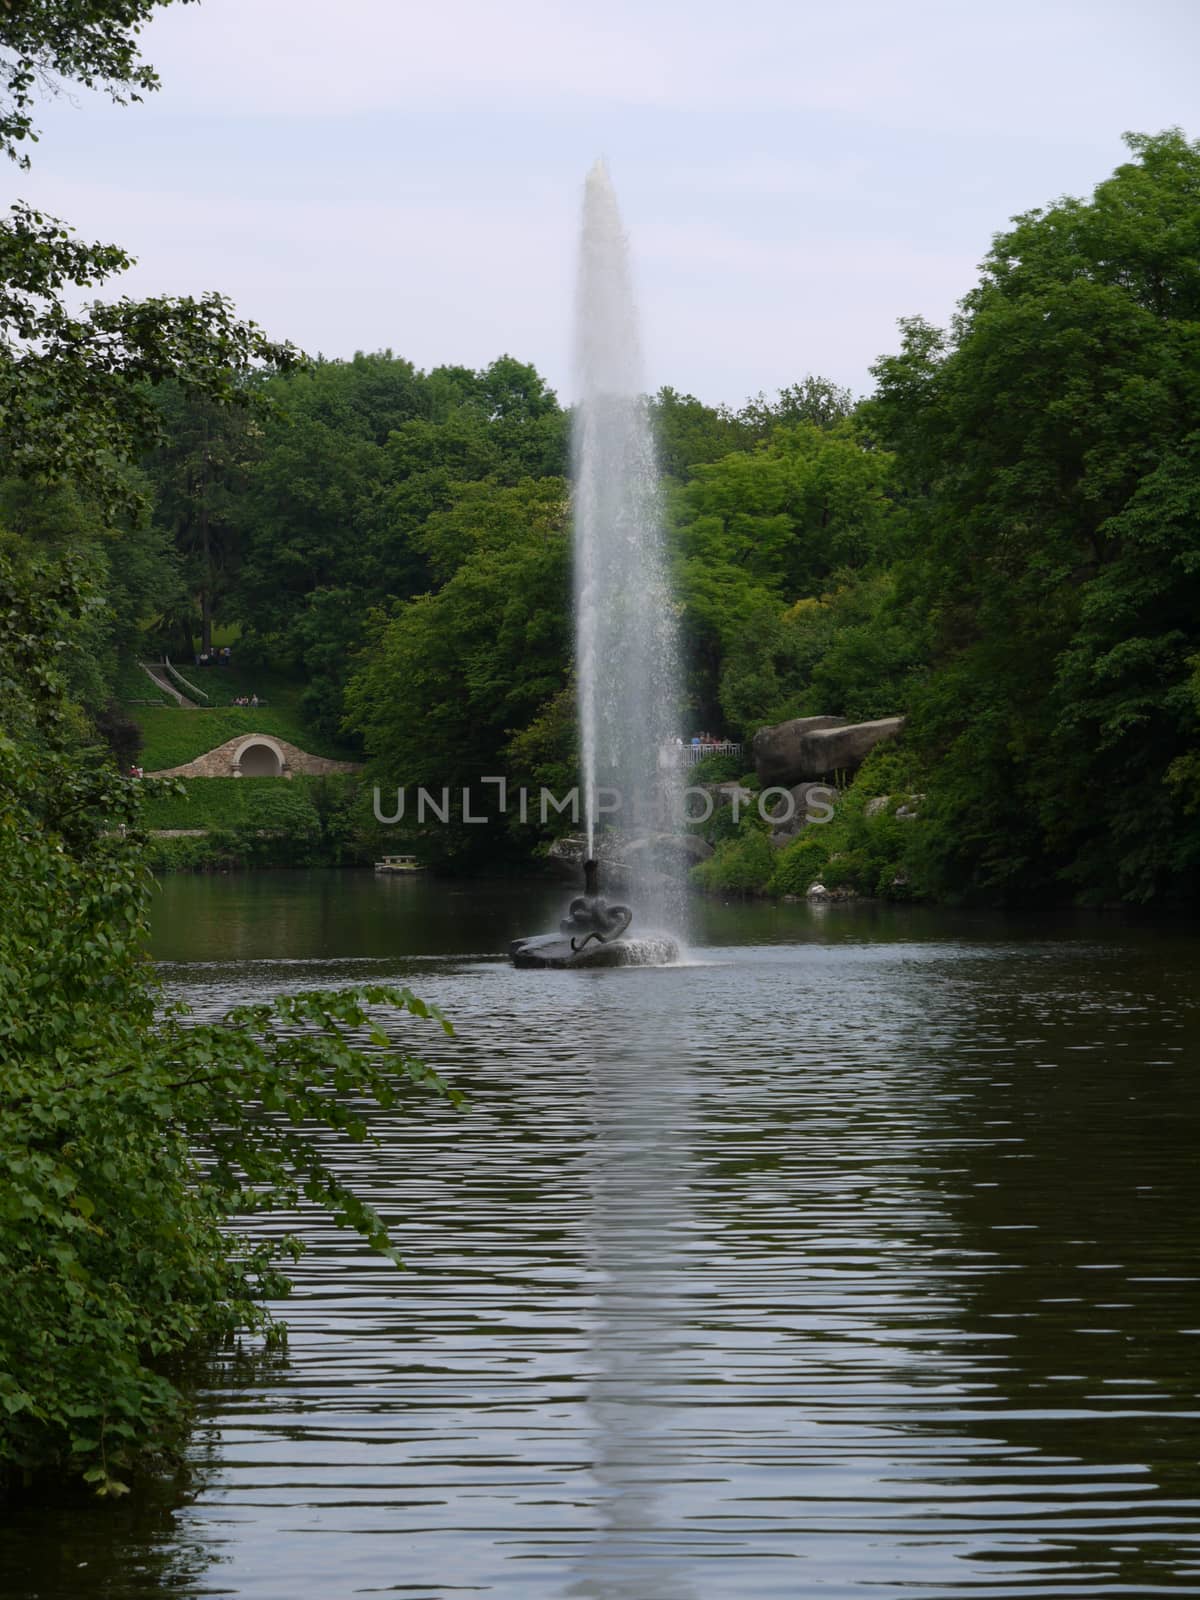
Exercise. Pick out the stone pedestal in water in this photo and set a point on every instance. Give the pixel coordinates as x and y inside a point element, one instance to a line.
<point>548,950</point>
<point>594,933</point>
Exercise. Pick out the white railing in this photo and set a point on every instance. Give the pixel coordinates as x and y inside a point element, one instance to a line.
<point>181,683</point>
<point>691,753</point>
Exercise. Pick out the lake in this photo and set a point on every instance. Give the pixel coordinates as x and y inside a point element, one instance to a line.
<point>854,1256</point>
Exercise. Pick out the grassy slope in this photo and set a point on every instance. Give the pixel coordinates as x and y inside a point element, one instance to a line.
<point>224,684</point>
<point>174,735</point>
<point>240,803</point>
<point>132,684</point>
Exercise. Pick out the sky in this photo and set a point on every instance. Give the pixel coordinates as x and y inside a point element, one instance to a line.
<point>794,175</point>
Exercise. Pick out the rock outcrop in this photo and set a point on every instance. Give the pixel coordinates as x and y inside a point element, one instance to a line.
<point>808,802</point>
<point>807,748</point>
<point>777,749</point>
<point>725,794</point>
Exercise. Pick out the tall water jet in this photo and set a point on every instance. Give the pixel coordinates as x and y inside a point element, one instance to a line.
<point>625,626</point>
<point>626,647</point>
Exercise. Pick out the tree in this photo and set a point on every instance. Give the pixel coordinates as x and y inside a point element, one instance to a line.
<point>688,433</point>
<point>755,532</point>
<point>128,1137</point>
<point>1048,445</point>
<point>355,460</point>
<point>76,387</point>
<point>114,1257</point>
<point>454,676</point>
<point>199,470</point>
<point>813,400</point>
<point>91,42</point>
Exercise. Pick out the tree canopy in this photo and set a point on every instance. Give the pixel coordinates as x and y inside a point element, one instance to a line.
<point>1048,447</point>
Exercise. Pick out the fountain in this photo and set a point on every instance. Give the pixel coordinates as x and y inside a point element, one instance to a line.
<point>625,633</point>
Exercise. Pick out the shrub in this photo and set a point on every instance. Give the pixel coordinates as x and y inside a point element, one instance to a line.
<point>873,855</point>
<point>740,865</point>
<point>128,1136</point>
<point>718,768</point>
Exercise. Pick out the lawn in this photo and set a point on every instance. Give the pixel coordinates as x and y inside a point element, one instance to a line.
<point>133,685</point>
<point>222,685</point>
<point>243,803</point>
<point>173,735</point>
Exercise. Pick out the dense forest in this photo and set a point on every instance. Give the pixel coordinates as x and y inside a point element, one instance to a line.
<point>1000,542</point>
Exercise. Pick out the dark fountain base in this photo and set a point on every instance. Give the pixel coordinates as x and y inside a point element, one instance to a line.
<point>548,950</point>
<point>592,934</point>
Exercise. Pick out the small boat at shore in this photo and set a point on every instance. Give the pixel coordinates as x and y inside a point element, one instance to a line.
<point>400,864</point>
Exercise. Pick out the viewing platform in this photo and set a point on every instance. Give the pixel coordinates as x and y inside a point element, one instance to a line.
<point>690,754</point>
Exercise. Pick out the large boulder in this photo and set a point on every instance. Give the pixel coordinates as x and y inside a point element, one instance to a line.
<point>816,747</point>
<point>777,749</point>
<point>724,794</point>
<point>808,802</point>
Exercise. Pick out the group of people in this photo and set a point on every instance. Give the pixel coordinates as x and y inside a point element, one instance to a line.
<point>214,658</point>
<point>676,750</point>
<point>697,739</point>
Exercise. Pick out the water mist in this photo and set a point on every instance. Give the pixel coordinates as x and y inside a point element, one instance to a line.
<point>626,635</point>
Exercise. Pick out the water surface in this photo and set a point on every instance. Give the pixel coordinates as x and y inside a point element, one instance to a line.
<point>855,1257</point>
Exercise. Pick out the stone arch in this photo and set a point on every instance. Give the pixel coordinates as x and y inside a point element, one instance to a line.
<point>260,757</point>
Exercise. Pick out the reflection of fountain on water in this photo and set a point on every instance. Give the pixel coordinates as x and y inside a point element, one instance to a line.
<point>625,633</point>
<point>637,1342</point>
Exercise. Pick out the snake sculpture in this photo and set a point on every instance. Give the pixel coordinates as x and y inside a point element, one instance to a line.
<point>589,916</point>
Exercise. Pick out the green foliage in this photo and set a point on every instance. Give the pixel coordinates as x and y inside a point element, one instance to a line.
<point>865,846</point>
<point>721,825</point>
<point>455,675</point>
<point>129,562</point>
<point>787,515</point>
<point>304,821</point>
<point>689,433</point>
<point>228,802</point>
<point>128,1136</point>
<point>546,751</point>
<point>78,374</point>
<point>355,462</point>
<point>854,651</point>
<point>76,388</point>
<point>1183,774</point>
<point>715,768</point>
<point>1049,451</point>
<point>740,864</point>
<point>755,533</point>
<point>90,42</point>
<point>200,468</point>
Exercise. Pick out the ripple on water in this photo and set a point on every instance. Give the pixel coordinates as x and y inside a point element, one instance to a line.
<point>831,1268</point>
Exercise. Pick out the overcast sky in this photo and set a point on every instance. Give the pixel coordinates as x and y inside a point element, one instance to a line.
<point>794,175</point>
